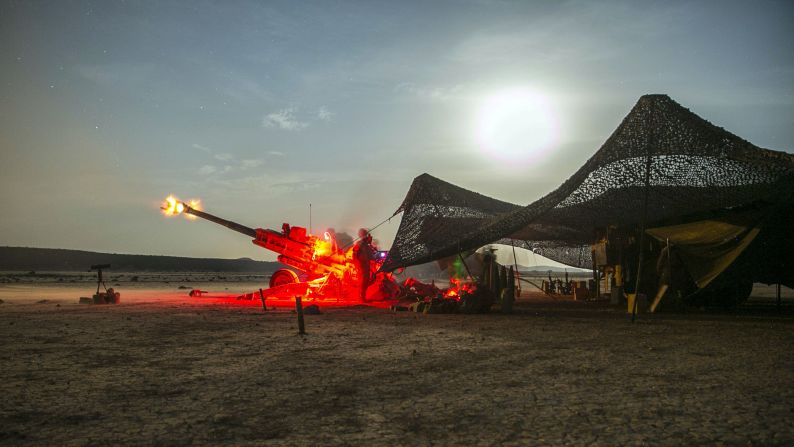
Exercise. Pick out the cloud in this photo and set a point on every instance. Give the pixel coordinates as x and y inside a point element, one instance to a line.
<point>273,184</point>
<point>284,119</point>
<point>324,114</point>
<point>430,93</point>
<point>605,31</point>
<point>207,170</point>
<point>250,164</point>
<point>229,161</point>
<point>202,148</point>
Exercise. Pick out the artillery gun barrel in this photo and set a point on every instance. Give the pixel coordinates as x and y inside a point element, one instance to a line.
<point>220,221</point>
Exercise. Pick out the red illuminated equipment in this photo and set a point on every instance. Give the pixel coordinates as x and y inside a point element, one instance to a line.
<point>329,272</point>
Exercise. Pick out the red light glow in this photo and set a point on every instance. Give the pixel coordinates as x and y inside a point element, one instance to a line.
<point>328,273</point>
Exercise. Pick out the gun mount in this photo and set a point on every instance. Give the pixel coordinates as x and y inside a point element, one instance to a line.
<point>328,271</point>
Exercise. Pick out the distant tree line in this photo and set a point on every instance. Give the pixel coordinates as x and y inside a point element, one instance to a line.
<point>51,259</point>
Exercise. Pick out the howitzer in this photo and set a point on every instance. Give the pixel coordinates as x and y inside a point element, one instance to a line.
<point>328,270</point>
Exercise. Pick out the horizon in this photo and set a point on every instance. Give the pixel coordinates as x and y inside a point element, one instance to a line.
<point>260,110</point>
<point>525,258</point>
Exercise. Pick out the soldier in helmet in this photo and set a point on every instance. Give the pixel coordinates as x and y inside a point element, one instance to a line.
<point>363,253</point>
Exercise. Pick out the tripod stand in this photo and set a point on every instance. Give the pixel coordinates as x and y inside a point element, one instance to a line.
<point>99,279</point>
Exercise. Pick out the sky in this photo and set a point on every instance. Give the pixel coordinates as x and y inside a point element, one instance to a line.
<point>260,108</point>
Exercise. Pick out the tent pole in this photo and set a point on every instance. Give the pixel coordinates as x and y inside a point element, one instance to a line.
<point>669,262</point>
<point>515,264</point>
<point>641,245</point>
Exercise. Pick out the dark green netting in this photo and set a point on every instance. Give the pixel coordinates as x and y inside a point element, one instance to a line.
<point>693,166</point>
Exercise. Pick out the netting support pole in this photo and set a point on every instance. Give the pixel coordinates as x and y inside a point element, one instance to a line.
<point>642,235</point>
<point>778,297</point>
<point>596,279</point>
<point>466,266</point>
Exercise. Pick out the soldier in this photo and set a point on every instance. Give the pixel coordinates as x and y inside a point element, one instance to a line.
<point>363,254</point>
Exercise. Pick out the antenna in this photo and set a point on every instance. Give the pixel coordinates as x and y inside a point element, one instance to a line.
<point>310,218</point>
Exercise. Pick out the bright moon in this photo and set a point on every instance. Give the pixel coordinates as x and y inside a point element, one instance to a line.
<point>516,125</point>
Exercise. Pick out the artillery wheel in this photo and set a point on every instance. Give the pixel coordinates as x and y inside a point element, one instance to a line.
<point>283,276</point>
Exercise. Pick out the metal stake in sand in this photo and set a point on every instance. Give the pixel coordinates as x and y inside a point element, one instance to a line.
<point>299,309</point>
<point>262,296</point>
<point>778,297</point>
<point>641,244</point>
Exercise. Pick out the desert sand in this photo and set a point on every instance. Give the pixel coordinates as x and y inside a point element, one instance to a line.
<point>162,368</point>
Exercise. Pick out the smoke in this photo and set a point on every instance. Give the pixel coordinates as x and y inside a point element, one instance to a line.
<point>344,240</point>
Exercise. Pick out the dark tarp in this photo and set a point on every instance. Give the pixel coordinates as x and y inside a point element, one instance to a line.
<point>693,167</point>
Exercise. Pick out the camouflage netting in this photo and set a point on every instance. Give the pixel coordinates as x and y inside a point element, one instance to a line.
<point>692,166</point>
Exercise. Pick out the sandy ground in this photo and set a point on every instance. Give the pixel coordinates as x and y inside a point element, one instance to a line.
<point>165,369</point>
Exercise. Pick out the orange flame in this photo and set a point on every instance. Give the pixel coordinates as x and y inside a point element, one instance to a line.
<point>174,207</point>
<point>457,288</point>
